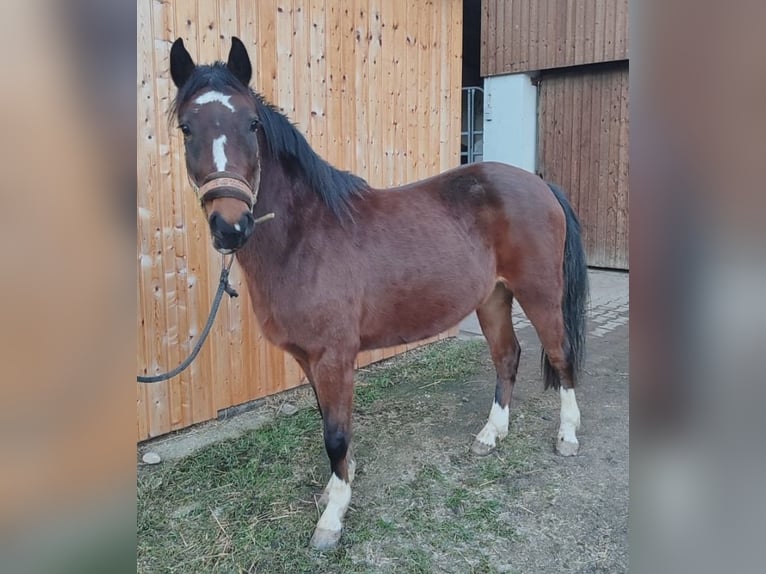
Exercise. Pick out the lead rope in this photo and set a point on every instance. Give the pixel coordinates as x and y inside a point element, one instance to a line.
<point>223,286</point>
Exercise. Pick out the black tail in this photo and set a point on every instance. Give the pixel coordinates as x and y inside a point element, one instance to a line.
<point>575,298</point>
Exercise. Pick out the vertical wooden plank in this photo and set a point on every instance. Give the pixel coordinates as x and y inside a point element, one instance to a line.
<point>579,32</point>
<point>387,92</point>
<point>542,115</point>
<point>374,75</point>
<point>598,30</point>
<point>456,80</point>
<point>151,271</point>
<point>361,88</point>
<point>589,29</point>
<point>334,65</point>
<point>524,32</point>
<point>399,119</point>
<point>542,34</point>
<point>614,168</point>
<point>551,35</point>
<point>570,21</point>
<point>348,98</point>
<point>622,211</point>
<point>163,16</point>
<point>318,39</point>
<point>622,34</point>
<point>484,56</point>
<point>584,155</point>
<point>610,29</point>
<point>491,32</point>
<point>603,172</point>
<point>534,35</point>
<point>560,28</point>
<point>558,122</point>
<point>268,82</point>
<point>145,216</point>
<point>433,140</point>
<point>567,158</point>
<point>516,33</point>
<point>301,65</point>
<point>510,36</point>
<point>574,147</point>
<point>595,171</point>
<point>412,90</point>
<point>286,81</point>
<point>422,44</point>
<point>500,36</point>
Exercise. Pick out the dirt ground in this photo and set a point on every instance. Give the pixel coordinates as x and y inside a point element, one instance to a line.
<point>421,501</point>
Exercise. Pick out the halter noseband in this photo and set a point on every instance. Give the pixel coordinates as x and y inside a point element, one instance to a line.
<point>228,184</point>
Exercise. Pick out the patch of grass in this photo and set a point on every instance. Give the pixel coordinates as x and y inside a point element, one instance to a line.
<point>247,504</point>
<point>448,360</point>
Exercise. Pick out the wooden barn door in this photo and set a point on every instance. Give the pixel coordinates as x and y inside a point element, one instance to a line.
<point>583,146</point>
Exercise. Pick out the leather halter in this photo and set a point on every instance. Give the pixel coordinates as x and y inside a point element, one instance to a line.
<point>227,184</point>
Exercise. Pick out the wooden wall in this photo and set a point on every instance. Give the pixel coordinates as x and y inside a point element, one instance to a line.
<point>524,35</point>
<point>583,146</point>
<point>375,86</point>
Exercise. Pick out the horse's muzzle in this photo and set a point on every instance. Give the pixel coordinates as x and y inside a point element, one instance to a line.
<point>228,237</point>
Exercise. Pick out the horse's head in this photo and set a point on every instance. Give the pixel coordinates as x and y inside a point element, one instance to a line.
<point>218,116</point>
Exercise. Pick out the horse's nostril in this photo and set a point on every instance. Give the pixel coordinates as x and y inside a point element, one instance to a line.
<point>247,223</point>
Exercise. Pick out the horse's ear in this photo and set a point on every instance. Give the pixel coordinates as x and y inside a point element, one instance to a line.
<point>181,63</point>
<point>239,61</point>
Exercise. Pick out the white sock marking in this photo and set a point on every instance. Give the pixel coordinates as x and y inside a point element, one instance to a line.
<point>496,427</point>
<point>570,416</point>
<point>209,97</point>
<point>219,155</point>
<point>339,497</point>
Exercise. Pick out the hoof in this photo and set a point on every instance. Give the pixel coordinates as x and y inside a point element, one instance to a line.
<point>481,449</point>
<point>325,539</point>
<point>566,448</point>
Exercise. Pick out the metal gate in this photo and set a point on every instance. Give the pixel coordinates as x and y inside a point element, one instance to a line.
<point>472,128</point>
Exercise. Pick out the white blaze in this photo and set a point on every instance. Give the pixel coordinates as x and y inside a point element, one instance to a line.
<point>496,427</point>
<point>339,496</point>
<point>219,155</point>
<point>209,97</point>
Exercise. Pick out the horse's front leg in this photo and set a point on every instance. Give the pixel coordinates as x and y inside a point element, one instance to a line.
<point>333,376</point>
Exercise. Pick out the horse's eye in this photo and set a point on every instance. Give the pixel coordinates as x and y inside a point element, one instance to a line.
<point>185,130</point>
<point>254,125</point>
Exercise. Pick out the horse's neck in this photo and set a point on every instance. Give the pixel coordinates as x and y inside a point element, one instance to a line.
<point>264,257</point>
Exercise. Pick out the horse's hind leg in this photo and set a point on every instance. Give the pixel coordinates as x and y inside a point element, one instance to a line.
<point>497,325</point>
<point>542,306</point>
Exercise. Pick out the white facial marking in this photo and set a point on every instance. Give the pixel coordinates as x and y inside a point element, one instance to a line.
<point>496,427</point>
<point>209,97</point>
<point>339,496</point>
<point>237,227</point>
<point>219,155</point>
<point>570,416</point>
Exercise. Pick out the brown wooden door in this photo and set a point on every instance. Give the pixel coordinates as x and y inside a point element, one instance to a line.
<point>583,147</point>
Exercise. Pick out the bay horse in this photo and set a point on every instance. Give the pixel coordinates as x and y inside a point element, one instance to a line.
<point>344,267</point>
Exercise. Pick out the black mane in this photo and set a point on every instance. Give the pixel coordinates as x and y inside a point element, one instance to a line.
<point>285,143</point>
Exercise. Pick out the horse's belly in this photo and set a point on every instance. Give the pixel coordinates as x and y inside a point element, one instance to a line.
<point>412,316</point>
